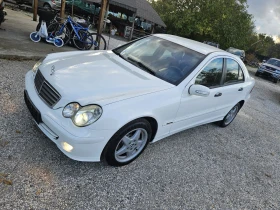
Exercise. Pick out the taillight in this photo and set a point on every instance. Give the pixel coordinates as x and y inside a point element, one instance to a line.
<point>53,1</point>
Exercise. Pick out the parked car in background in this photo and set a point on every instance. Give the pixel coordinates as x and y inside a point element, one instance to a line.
<point>212,44</point>
<point>237,52</point>
<point>48,4</point>
<point>270,68</point>
<point>112,104</point>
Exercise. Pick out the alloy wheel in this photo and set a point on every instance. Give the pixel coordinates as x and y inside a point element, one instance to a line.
<point>131,145</point>
<point>231,115</point>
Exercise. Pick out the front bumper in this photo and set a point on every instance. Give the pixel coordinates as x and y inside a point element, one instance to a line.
<point>268,73</point>
<point>87,144</point>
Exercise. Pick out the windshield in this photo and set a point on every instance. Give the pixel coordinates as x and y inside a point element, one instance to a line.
<point>163,59</point>
<point>273,62</point>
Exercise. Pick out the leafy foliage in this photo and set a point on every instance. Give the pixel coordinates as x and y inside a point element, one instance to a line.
<point>226,22</point>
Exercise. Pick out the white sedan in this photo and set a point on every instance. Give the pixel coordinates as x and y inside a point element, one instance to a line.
<point>111,104</point>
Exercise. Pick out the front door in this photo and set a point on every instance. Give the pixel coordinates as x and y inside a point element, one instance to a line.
<point>197,110</point>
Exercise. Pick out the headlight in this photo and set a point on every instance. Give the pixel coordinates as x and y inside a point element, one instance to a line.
<point>70,110</point>
<point>82,116</point>
<point>87,115</point>
<point>36,66</point>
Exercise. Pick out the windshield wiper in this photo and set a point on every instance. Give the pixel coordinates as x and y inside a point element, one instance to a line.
<point>142,66</point>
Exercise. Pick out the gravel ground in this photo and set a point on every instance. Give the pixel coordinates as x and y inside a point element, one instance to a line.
<point>207,167</point>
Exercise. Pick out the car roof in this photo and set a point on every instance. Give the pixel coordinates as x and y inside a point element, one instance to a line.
<point>191,44</point>
<point>275,59</point>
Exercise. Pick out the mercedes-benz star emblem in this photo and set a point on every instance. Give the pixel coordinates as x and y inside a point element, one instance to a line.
<point>52,70</point>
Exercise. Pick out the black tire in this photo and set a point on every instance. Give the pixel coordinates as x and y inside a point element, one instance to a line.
<point>102,45</point>
<point>85,42</point>
<point>110,149</point>
<point>274,80</point>
<point>257,74</point>
<point>223,123</point>
<point>54,29</point>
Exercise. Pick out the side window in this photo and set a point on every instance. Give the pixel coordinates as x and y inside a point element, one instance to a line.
<point>211,75</point>
<point>233,72</point>
<point>240,75</point>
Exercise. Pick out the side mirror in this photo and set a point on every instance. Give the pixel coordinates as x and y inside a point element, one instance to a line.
<point>199,90</point>
<point>264,61</point>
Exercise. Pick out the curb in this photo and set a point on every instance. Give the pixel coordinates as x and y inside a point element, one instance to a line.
<point>20,57</point>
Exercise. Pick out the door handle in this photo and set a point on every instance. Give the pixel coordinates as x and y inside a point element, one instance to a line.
<point>218,94</point>
<point>240,89</point>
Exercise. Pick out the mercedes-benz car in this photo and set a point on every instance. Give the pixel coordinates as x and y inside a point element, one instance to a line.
<point>271,69</point>
<point>111,104</point>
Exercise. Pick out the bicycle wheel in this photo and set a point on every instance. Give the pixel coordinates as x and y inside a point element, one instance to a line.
<point>59,30</point>
<point>102,45</point>
<point>35,37</point>
<point>85,41</point>
<point>58,42</point>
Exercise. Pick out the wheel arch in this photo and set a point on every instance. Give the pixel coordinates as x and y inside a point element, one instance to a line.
<point>154,125</point>
<point>241,103</point>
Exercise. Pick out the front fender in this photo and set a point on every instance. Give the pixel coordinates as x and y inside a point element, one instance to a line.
<point>162,106</point>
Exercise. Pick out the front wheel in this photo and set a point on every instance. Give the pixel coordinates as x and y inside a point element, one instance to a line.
<point>257,74</point>
<point>274,80</point>
<point>230,116</point>
<point>128,143</point>
<point>35,37</point>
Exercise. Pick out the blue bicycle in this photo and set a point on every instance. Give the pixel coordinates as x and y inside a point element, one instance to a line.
<point>79,34</point>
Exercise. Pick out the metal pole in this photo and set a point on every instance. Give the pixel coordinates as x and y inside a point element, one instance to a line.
<point>101,18</point>
<point>35,9</point>
<point>132,29</point>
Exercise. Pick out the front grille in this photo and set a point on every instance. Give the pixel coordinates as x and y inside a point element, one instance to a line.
<point>45,90</point>
<point>269,69</point>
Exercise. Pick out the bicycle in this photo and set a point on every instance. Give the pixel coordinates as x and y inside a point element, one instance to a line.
<point>82,39</point>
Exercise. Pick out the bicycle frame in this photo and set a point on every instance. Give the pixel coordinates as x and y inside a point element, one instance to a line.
<point>75,26</point>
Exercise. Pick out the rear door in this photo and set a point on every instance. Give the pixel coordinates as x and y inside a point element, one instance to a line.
<point>234,88</point>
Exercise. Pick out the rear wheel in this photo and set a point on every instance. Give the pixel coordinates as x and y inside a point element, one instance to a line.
<point>102,45</point>
<point>60,31</point>
<point>257,74</point>
<point>84,41</point>
<point>58,42</point>
<point>128,143</point>
<point>230,116</point>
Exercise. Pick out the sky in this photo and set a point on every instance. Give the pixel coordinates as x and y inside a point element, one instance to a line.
<point>267,16</point>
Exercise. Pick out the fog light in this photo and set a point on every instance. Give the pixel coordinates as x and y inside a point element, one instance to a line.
<point>67,147</point>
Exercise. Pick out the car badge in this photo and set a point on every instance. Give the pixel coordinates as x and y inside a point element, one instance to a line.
<point>52,70</point>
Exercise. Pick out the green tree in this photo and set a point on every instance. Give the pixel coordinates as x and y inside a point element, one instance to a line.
<point>224,21</point>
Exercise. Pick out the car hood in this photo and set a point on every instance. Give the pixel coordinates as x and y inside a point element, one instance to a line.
<point>97,77</point>
<point>271,66</point>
